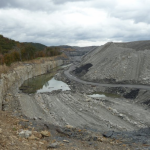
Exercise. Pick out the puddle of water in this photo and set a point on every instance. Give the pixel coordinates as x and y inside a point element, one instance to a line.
<point>97,95</point>
<point>65,66</point>
<point>43,83</point>
<point>52,85</point>
<point>104,94</point>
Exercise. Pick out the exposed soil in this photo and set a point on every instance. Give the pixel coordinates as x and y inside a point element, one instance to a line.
<point>67,138</point>
<point>77,122</point>
<point>118,63</point>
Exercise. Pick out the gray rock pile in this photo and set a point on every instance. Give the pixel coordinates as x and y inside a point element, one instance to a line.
<point>118,62</point>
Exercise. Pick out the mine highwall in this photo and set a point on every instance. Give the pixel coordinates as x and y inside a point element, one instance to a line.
<point>12,81</point>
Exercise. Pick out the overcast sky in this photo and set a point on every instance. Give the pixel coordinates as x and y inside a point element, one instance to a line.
<point>75,22</point>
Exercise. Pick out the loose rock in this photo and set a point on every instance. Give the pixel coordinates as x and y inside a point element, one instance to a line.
<point>66,141</point>
<point>32,137</point>
<point>0,130</point>
<point>46,133</point>
<point>25,133</point>
<point>108,134</point>
<point>53,145</point>
<point>69,126</point>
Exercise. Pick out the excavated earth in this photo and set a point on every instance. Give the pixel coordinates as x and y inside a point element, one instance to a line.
<point>117,63</point>
<point>120,120</point>
<point>120,116</point>
<point>72,118</point>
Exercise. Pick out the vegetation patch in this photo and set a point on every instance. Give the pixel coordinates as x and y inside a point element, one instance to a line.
<point>14,51</point>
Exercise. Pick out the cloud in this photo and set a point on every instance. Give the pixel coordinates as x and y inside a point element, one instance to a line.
<point>65,1</point>
<point>80,22</point>
<point>44,5</point>
<point>135,10</point>
<point>8,3</point>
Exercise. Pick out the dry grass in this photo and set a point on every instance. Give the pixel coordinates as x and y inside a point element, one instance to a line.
<point>64,55</point>
<point>68,49</point>
<point>3,69</point>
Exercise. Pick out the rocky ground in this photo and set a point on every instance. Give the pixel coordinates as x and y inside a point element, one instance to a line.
<point>72,120</point>
<point>117,63</point>
<point>76,120</point>
<point>23,134</point>
<point>124,104</point>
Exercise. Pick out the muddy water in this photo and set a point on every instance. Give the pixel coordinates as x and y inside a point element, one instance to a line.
<point>104,94</point>
<point>97,95</point>
<point>43,83</point>
<point>53,85</point>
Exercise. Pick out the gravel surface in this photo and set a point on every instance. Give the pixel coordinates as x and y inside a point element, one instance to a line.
<point>118,63</point>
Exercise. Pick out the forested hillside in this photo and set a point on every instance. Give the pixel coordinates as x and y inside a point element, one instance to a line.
<point>38,46</point>
<point>6,44</point>
<point>12,51</point>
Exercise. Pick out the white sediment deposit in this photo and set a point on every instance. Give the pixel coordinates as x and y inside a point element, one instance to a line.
<point>119,62</point>
<point>12,81</point>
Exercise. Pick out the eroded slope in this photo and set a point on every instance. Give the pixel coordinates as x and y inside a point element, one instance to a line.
<point>114,62</point>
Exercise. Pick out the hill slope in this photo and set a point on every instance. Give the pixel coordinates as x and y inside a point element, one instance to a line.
<point>117,62</point>
<point>37,46</point>
<point>13,51</point>
<point>6,44</point>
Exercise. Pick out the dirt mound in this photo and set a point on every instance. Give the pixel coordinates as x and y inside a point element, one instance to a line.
<point>119,63</point>
<point>137,45</point>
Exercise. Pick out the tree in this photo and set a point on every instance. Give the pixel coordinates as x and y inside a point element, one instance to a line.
<point>30,52</point>
<point>15,55</point>
<point>7,59</point>
<point>1,59</point>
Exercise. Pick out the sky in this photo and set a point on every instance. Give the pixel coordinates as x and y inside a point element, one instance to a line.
<point>75,22</point>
